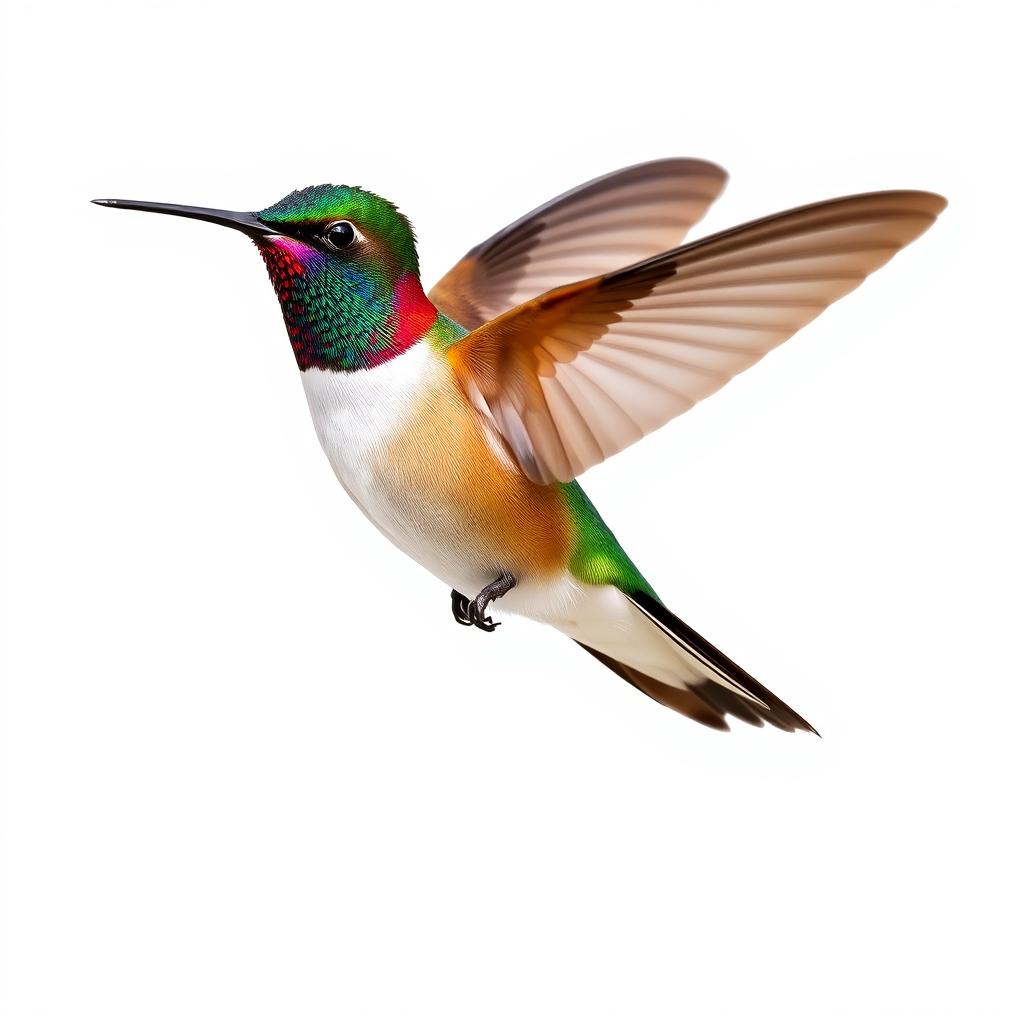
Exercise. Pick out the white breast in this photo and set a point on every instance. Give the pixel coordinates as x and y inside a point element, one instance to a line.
<point>356,414</point>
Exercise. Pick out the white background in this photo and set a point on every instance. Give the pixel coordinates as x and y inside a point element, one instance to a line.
<point>254,772</point>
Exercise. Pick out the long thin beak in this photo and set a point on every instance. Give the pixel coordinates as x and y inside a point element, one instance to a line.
<point>247,222</point>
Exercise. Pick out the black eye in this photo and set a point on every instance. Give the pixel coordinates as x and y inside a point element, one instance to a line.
<point>340,235</point>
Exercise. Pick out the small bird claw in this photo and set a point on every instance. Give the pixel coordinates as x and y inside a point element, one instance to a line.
<point>480,619</point>
<point>474,612</point>
<point>460,609</point>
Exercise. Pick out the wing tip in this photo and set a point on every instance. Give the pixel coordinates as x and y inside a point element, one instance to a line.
<point>696,165</point>
<point>909,200</point>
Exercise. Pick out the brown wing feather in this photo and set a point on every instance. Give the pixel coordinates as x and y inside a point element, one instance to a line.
<point>607,223</point>
<point>585,370</point>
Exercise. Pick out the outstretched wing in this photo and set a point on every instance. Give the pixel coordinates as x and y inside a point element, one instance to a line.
<point>608,223</point>
<point>587,369</point>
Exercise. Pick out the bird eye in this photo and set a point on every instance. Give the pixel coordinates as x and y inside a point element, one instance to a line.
<point>340,235</point>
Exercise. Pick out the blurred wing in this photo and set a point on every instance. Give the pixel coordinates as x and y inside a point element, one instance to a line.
<point>608,223</point>
<point>587,369</point>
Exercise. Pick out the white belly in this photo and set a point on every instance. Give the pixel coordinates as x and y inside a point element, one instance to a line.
<point>357,416</point>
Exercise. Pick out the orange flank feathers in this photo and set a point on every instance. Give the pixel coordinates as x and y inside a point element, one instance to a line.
<point>446,458</point>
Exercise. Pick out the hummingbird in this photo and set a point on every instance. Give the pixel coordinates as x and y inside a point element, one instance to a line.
<point>459,420</point>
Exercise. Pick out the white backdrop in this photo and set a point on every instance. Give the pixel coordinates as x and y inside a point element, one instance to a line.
<point>238,791</point>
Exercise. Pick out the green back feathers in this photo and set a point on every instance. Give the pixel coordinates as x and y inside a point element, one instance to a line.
<point>597,557</point>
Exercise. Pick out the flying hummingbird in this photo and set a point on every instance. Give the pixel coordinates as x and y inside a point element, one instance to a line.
<point>459,420</point>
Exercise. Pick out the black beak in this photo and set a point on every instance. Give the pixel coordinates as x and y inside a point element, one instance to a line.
<point>247,222</point>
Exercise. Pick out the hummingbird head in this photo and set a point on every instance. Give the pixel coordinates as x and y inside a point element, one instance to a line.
<point>343,263</point>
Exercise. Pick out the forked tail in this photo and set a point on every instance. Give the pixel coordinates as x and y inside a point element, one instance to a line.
<point>696,679</point>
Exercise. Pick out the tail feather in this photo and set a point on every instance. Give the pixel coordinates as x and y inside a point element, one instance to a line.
<point>709,684</point>
<point>731,679</point>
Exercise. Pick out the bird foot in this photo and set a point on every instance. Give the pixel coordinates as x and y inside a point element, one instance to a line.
<point>474,612</point>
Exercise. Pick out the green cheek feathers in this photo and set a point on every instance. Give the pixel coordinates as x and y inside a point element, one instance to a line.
<point>344,315</point>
